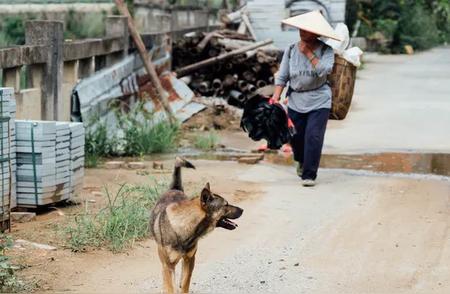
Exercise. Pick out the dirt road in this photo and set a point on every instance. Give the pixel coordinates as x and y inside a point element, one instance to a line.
<point>353,233</point>
<point>398,99</point>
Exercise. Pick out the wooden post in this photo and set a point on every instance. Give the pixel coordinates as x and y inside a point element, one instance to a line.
<point>163,96</point>
<point>187,69</point>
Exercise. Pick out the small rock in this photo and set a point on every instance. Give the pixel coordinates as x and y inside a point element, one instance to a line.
<point>249,160</point>
<point>92,201</point>
<point>262,282</point>
<point>97,194</point>
<point>136,165</point>
<point>296,264</point>
<point>158,165</point>
<point>142,173</point>
<point>24,243</point>
<point>23,217</point>
<point>114,164</point>
<point>310,278</point>
<point>409,49</point>
<point>56,212</point>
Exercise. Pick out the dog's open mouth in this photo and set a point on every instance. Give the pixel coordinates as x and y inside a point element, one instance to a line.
<point>226,224</point>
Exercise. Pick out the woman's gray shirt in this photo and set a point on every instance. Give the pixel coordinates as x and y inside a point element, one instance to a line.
<point>309,89</point>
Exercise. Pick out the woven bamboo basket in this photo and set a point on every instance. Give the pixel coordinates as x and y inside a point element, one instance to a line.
<point>342,81</point>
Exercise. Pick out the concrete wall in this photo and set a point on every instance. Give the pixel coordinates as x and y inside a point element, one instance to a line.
<point>155,19</point>
<point>53,66</point>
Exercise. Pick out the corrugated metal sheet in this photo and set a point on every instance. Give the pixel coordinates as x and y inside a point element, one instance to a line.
<point>126,82</point>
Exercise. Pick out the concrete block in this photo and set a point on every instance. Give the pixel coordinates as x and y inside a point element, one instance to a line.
<point>137,165</point>
<point>114,164</point>
<point>250,160</point>
<point>23,217</point>
<point>158,165</point>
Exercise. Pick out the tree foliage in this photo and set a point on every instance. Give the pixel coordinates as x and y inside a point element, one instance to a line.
<point>419,23</point>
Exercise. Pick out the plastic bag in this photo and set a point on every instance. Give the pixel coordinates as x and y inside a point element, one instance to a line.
<point>339,46</point>
<point>353,55</point>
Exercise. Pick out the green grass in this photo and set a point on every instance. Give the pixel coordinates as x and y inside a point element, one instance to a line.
<point>140,135</point>
<point>98,144</point>
<point>147,138</point>
<point>8,280</point>
<point>117,226</point>
<point>146,135</point>
<point>206,141</point>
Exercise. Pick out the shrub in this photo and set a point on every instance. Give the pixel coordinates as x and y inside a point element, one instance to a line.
<point>144,135</point>
<point>87,25</point>
<point>12,31</point>
<point>417,28</point>
<point>148,138</point>
<point>421,24</point>
<point>98,144</point>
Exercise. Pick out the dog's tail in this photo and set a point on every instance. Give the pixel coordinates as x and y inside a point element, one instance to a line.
<point>176,178</point>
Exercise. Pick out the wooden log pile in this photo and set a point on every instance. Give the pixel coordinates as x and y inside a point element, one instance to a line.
<point>225,63</point>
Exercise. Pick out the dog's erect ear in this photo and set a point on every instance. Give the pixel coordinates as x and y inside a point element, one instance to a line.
<point>206,196</point>
<point>208,187</point>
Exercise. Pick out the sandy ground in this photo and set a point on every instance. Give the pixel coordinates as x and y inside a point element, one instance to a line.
<point>353,233</point>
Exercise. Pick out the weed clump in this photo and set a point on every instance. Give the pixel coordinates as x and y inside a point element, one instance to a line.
<point>8,279</point>
<point>206,141</point>
<point>124,220</point>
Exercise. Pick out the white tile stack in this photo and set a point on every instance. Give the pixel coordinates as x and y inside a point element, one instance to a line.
<point>63,172</point>
<point>77,140</point>
<point>59,161</point>
<point>41,162</point>
<point>12,128</point>
<point>36,163</point>
<point>7,109</point>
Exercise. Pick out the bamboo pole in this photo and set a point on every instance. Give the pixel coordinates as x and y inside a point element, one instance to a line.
<point>146,60</point>
<point>187,69</point>
<point>249,26</point>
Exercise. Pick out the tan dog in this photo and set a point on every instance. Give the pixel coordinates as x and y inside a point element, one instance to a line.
<point>177,223</point>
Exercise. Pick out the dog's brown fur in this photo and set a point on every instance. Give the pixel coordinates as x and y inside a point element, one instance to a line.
<point>177,223</point>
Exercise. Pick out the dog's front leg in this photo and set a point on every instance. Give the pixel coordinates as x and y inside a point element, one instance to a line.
<point>187,269</point>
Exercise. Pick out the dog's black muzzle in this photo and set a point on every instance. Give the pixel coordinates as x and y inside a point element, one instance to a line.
<point>233,212</point>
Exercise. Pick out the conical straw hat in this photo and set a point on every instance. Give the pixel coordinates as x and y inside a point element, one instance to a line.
<point>313,22</point>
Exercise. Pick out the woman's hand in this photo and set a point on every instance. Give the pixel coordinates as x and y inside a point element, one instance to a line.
<point>277,94</point>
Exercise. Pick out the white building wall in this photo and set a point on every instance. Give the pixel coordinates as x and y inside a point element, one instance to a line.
<point>266,16</point>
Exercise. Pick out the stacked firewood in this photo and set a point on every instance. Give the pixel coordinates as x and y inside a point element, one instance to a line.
<point>236,77</point>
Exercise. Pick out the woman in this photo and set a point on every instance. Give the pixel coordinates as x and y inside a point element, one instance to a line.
<point>305,65</point>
